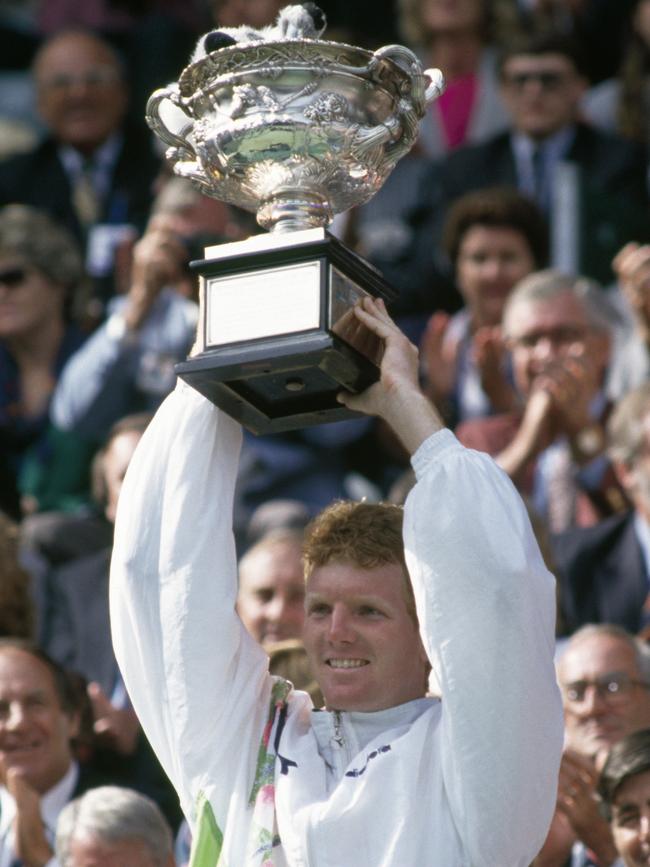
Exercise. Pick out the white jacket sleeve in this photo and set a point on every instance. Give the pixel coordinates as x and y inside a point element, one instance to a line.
<point>198,682</point>
<point>486,605</point>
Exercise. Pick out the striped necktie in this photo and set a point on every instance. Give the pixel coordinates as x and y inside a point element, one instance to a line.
<point>84,196</point>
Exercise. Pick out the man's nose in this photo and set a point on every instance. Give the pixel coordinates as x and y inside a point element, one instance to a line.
<point>276,608</point>
<point>340,626</point>
<point>491,268</point>
<point>16,716</point>
<point>543,348</point>
<point>644,827</point>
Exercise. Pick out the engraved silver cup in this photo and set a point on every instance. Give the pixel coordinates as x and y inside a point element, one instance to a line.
<point>295,130</point>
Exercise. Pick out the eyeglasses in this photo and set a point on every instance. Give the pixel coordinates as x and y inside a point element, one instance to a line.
<point>613,688</point>
<point>12,277</point>
<point>546,80</point>
<point>561,336</point>
<point>101,76</point>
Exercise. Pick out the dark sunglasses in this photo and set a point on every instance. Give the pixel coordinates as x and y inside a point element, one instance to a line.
<point>11,277</point>
<point>546,80</point>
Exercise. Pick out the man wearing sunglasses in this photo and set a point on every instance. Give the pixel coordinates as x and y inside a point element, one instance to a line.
<point>548,152</point>
<point>604,676</point>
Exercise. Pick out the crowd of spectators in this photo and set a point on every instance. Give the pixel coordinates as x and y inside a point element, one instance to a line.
<point>518,234</point>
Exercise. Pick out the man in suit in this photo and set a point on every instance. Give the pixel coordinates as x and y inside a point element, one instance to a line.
<point>549,155</point>
<point>92,172</point>
<point>39,715</point>
<point>604,570</point>
<point>557,329</point>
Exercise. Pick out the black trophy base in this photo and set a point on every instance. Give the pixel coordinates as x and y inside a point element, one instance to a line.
<point>281,340</point>
<point>283,384</point>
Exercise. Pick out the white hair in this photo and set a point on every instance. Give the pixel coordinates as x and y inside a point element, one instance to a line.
<point>112,814</point>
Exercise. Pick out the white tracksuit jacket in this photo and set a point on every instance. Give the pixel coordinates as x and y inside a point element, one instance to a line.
<point>470,780</point>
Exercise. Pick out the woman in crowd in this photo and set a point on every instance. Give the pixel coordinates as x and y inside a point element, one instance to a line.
<point>40,270</point>
<point>453,37</point>
<point>494,238</point>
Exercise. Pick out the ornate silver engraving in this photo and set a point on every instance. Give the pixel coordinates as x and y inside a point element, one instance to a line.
<point>296,130</point>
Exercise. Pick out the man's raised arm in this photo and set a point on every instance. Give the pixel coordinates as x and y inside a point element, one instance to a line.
<point>197,680</point>
<point>486,607</point>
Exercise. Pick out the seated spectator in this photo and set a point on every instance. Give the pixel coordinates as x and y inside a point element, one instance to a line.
<point>604,570</point>
<point>624,788</point>
<point>93,172</point>
<point>127,365</point>
<point>40,271</point>
<point>493,239</point>
<point>598,25</point>
<point>604,675</point>
<point>113,827</point>
<point>453,37</point>
<point>271,595</point>
<point>620,104</point>
<point>550,155</point>
<point>38,706</point>
<point>557,329</point>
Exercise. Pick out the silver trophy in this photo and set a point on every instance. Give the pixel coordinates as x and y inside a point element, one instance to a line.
<point>295,130</point>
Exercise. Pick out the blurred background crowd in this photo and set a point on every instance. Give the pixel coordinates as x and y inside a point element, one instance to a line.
<point>517,232</point>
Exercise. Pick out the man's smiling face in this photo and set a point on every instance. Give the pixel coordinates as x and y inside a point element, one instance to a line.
<point>363,645</point>
<point>35,730</point>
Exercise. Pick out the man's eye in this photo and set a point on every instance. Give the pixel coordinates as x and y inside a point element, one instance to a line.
<point>368,610</point>
<point>264,596</point>
<point>318,608</point>
<point>627,819</point>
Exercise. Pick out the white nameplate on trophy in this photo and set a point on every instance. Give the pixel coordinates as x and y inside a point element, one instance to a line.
<point>264,303</point>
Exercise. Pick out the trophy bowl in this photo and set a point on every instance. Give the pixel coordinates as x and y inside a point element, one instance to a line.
<point>293,130</point>
<point>296,131</point>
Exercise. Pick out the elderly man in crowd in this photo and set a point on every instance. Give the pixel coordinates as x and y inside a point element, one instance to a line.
<point>604,675</point>
<point>93,172</point>
<point>113,827</point>
<point>39,715</point>
<point>383,776</point>
<point>557,329</point>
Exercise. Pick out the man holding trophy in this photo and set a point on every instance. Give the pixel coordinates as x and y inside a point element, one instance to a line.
<point>431,635</point>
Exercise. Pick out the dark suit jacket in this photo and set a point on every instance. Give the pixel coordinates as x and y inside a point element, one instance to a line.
<point>38,178</point>
<point>601,573</point>
<point>609,162</point>
<point>76,628</point>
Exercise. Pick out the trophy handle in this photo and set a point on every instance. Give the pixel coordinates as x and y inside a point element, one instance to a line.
<point>436,85</point>
<point>155,121</point>
<point>404,57</point>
